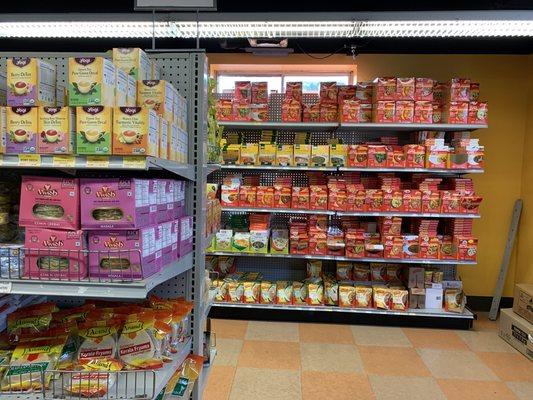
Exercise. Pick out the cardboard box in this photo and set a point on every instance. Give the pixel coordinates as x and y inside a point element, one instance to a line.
<point>30,82</point>
<point>434,297</point>
<point>523,301</point>
<point>516,331</point>
<point>91,81</point>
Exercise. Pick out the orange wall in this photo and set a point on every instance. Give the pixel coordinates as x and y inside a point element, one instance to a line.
<point>503,80</point>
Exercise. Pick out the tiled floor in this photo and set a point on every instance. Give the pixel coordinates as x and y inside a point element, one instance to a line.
<point>277,361</point>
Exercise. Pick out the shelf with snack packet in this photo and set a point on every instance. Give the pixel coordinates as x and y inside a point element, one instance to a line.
<point>435,171</point>
<point>206,371</point>
<point>96,162</point>
<point>276,167</point>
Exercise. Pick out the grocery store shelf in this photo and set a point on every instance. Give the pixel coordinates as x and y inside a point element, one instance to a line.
<point>278,210</point>
<point>210,168</point>
<point>304,126</point>
<point>338,258</point>
<point>278,167</point>
<point>204,376</point>
<point>210,301</point>
<point>120,290</point>
<point>350,213</point>
<point>85,162</point>
<point>164,375</point>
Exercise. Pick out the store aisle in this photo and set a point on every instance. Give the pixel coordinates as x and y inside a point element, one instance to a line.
<point>277,361</point>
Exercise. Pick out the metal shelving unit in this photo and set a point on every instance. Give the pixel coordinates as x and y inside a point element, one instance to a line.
<point>277,168</point>
<point>292,126</point>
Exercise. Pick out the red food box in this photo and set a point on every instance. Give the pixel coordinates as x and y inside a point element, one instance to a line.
<point>377,156</point>
<point>404,111</point>
<point>412,200</point>
<point>415,155</point>
<point>411,246</point>
<point>450,202</point>
<point>373,245</point>
<point>393,200</point>
<point>383,111</point>
<point>311,112</point>
<point>405,88</point>
<point>300,198</point>
<point>360,200</point>
<point>384,89</point>
<point>291,111</point>
<point>431,202</point>
<point>423,112</point>
<point>282,196</point>
<point>374,199</point>
<point>346,92</point>
<point>224,110</point>
<point>448,250</point>
<point>455,112</point>
<point>318,197</point>
<point>469,204</point>
<point>328,112</point>
<point>430,247</point>
<point>364,92</point>
<point>259,112</point>
<point>337,196</point>
<point>393,247</point>
<point>424,89</point>
<point>265,197</point>
<point>458,89</point>
<point>328,92</point>
<point>293,91</point>
<point>243,91</point>
<point>318,242</point>
<point>241,110</point>
<point>477,112</point>
<point>439,93</point>
<point>474,91</point>
<point>396,157</point>
<point>259,92</point>
<point>357,155</point>
<point>355,243</point>
<point>466,248</point>
<point>247,196</point>
<point>437,112</point>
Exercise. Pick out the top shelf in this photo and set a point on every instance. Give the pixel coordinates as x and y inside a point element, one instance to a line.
<point>351,127</point>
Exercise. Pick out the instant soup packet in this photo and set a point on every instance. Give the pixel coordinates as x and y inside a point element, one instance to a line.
<point>28,361</point>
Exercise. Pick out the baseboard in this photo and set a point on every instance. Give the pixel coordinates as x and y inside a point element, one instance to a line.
<point>483,303</point>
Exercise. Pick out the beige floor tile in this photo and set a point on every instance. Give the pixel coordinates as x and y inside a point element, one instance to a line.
<point>252,383</point>
<point>335,385</point>
<point>327,357</point>
<point>325,333</point>
<point>408,388</point>
<point>379,336</point>
<point>273,355</point>
<point>228,351</point>
<point>434,339</point>
<point>460,389</point>
<point>509,366</point>
<point>485,341</point>
<point>522,390</point>
<point>456,364</point>
<point>275,331</point>
<point>398,361</point>
<point>229,328</point>
<point>219,383</point>
<point>483,323</point>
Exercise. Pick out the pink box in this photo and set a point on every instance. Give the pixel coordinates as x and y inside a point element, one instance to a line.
<point>166,234</point>
<point>180,198</point>
<point>136,248</point>
<point>175,238</point>
<point>50,202</point>
<point>54,254</point>
<point>185,236</point>
<point>169,195</point>
<point>162,200</point>
<point>114,203</point>
<point>159,246</point>
<point>153,191</point>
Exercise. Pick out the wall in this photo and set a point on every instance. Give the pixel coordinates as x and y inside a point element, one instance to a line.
<point>502,80</point>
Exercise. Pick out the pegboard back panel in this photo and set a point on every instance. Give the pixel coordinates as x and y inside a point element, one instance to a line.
<point>267,177</point>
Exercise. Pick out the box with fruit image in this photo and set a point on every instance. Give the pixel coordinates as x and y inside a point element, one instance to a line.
<point>56,130</point>
<point>91,81</point>
<point>30,82</point>
<point>135,131</point>
<point>93,130</point>
<point>21,128</point>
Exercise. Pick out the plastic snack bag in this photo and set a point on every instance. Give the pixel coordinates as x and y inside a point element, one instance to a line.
<point>454,300</point>
<point>268,292</point>
<point>35,318</point>
<point>400,300</point>
<point>180,385</point>
<point>363,297</point>
<point>284,292</point>
<point>314,269</point>
<point>382,298</point>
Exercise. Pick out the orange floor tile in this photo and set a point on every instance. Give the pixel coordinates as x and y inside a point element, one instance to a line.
<point>298,361</point>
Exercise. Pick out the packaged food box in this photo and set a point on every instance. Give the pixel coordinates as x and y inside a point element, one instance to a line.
<point>156,95</point>
<point>516,331</point>
<point>265,197</point>
<point>30,82</point>
<point>93,130</point>
<point>299,293</point>
<point>285,154</point>
<point>346,295</point>
<point>346,92</point>
<point>164,140</point>
<point>185,235</point>
<point>259,241</point>
<point>302,154</point>
<point>121,88</point>
<point>414,155</point>
<point>122,254</point>
<point>439,93</point>
<point>437,112</point>
<point>134,62</point>
<point>241,110</point>
<point>249,154</point>
<point>243,91</point>
<point>318,197</point>
<point>364,91</point>
<point>474,91</point>
<point>337,154</point>
<point>315,292</point>
<point>300,198</point>
<point>319,155</point>
<point>328,92</point>
<point>3,129</point>
<point>114,203</point>
<point>392,200</point>
<point>395,157</point>
<point>448,250</point>
<point>49,202</point>
<point>136,131</point>
<point>223,240</point>
<point>377,156</point>
<point>458,89</point>
<point>411,246</point>
<point>22,124</point>
<point>259,92</point>
<point>399,300</point>
<point>423,112</point>
<point>241,242</point>
<point>224,110</point>
<point>311,112</point>
<point>56,130</point>
<point>357,155</point>
<point>373,246</point>
<point>466,248</point>
<point>363,297</point>
<point>344,271</point>
<point>437,157</point>
<point>477,112</point>
<point>251,291</point>
<point>384,89</point>
<point>383,111</point>
<point>318,243</point>
<point>231,154</point>
<point>259,112</point>
<point>55,254</point>
<point>328,112</point>
<point>279,241</point>
<point>424,89</point>
<point>404,111</point>
<point>355,244</point>
<point>91,81</point>
<point>523,301</point>
<point>247,196</point>
<point>229,195</point>
<point>268,292</point>
<point>293,91</point>
<point>282,196</point>
<point>455,112</point>
<point>382,298</point>
<point>405,88</point>
<point>431,201</point>
<point>291,111</point>
<point>429,247</point>
<point>412,200</point>
<point>131,92</point>
<point>283,292</point>
<point>267,154</point>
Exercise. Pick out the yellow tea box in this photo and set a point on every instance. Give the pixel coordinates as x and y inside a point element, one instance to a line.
<point>156,71</point>
<point>285,154</point>
<point>157,95</point>
<point>163,138</point>
<point>302,154</point>
<point>121,88</point>
<point>3,86</point>
<point>30,82</point>
<point>133,61</point>
<point>56,130</point>
<point>61,95</point>
<point>91,81</point>
<point>183,141</point>
<point>21,130</point>
<point>93,129</point>
<point>135,131</point>
<point>176,108</point>
<point>173,142</point>
<point>337,154</point>
<point>131,92</point>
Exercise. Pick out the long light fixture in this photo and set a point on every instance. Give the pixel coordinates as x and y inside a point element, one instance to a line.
<point>173,28</point>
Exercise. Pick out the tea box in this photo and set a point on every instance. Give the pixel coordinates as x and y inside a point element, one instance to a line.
<point>121,88</point>
<point>93,130</point>
<point>22,124</point>
<point>91,81</point>
<point>56,130</point>
<point>302,154</point>
<point>249,154</point>
<point>134,62</point>
<point>30,82</point>
<point>319,155</point>
<point>267,153</point>
<point>136,131</point>
<point>156,95</point>
<point>164,139</point>
<point>285,154</point>
<point>337,154</point>
<point>131,92</point>
<point>155,70</point>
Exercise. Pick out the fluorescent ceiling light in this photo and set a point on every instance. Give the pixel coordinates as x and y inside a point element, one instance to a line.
<point>268,29</point>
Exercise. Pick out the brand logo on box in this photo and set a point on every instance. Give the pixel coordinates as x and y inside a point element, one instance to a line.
<point>93,109</point>
<point>21,110</point>
<point>113,243</point>
<point>51,110</point>
<point>53,242</point>
<point>105,192</point>
<point>130,110</point>
<point>47,191</point>
<point>84,60</point>
<point>21,61</point>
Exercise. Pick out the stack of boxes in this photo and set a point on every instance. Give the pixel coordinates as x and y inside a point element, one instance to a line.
<point>516,324</point>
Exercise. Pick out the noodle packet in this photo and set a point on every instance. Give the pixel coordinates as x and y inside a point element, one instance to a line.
<point>77,314</point>
<point>99,340</point>
<point>33,319</point>
<point>94,379</point>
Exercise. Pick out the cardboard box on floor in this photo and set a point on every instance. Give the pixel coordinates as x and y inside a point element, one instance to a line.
<point>523,301</point>
<point>516,331</point>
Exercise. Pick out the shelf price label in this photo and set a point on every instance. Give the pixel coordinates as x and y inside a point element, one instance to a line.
<point>134,162</point>
<point>97,162</point>
<point>29,160</point>
<point>64,161</point>
<point>5,287</point>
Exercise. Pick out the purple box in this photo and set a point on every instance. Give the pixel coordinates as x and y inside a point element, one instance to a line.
<point>122,254</point>
<point>114,203</point>
<point>185,235</point>
<point>174,238</point>
<point>162,200</point>
<point>179,195</point>
<point>152,199</point>
<point>21,130</point>
<point>169,199</point>
<point>159,246</point>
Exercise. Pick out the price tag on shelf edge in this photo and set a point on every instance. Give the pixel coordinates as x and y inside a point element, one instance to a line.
<point>64,161</point>
<point>29,160</point>
<point>5,287</point>
<point>97,162</point>
<point>134,162</point>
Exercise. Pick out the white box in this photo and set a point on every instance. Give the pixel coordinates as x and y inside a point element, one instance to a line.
<point>434,298</point>
<point>516,331</point>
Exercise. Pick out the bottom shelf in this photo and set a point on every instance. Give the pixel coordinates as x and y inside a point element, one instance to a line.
<point>204,376</point>
<point>414,317</point>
